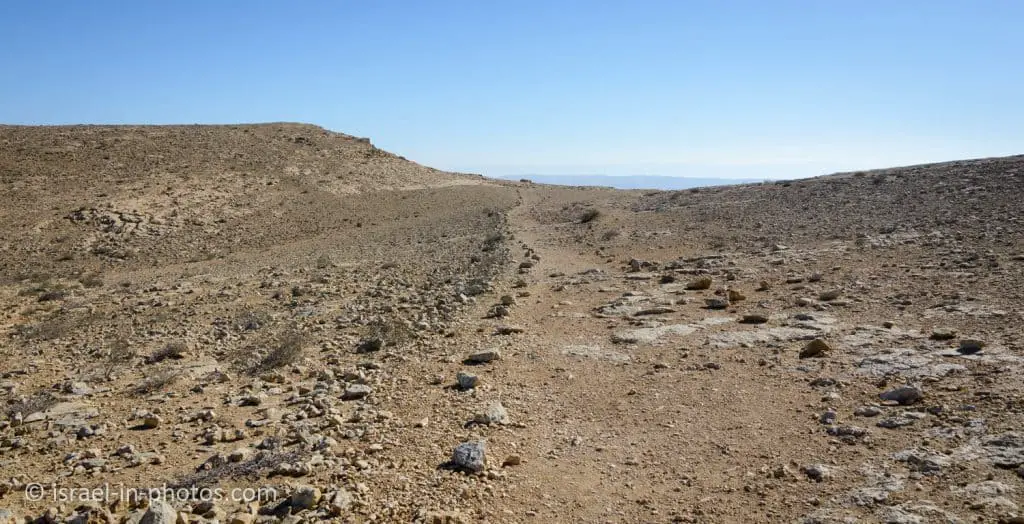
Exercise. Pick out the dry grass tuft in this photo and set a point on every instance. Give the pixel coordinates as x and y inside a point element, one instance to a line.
<point>156,382</point>
<point>40,401</point>
<point>262,463</point>
<point>383,333</point>
<point>285,351</point>
<point>173,350</point>
<point>589,215</point>
<point>119,356</point>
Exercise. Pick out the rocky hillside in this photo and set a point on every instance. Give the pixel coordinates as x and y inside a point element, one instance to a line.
<point>150,195</point>
<point>358,338</point>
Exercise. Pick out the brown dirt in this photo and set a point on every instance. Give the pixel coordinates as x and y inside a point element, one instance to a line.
<point>285,264</point>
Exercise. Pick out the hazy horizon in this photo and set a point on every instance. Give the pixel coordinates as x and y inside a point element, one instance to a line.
<point>738,89</point>
<point>733,171</point>
<point>660,182</point>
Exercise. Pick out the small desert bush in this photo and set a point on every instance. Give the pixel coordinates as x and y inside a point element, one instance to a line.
<point>52,295</point>
<point>589,215</point>
<point>173,350</point>
<point>49,329</point>
<point>258,466</point>
<point>251,320</point>
<point>383,333</point>
<point>156,382</point>
<point>286,350</point>
<point>91,281</point>
<point>40,401</point>
<point>324,262</point>
<point>493,240</point>
<point>119,356</point>
<point>33,290</point>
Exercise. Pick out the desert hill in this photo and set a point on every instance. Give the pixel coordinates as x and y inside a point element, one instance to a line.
<point>147,196</point>
<point>284,307</point>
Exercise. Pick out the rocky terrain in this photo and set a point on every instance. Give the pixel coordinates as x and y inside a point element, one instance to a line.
<point>353,337</point>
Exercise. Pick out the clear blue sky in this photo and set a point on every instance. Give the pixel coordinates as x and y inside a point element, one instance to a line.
<point>762,89</point>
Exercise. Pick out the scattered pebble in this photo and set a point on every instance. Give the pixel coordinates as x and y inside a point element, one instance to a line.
<point>469,456</point>
<point>815,349</point>
<point>483,357</point>
<point>305,497</point>
<point>494,414</point>
<point>356,392</point>
<point>904,395</point>
<point>467,381</point>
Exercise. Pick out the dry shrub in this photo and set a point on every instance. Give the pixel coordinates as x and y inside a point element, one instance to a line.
<point>35,289</point>
<point>40,401</point>
<point>91,281</point>
<point>120,355</point>
<point>493,240</point>
<point>262,463</point>
<point>252,320</point>
<point>50,329</point>
<point>285,351</point>
<point>52,295</point>
<point>174,350</point>
<point>589,215</point>
<point>157,382</point>
<point>383,333</point>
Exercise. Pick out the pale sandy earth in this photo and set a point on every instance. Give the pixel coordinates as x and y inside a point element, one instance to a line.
<point>282,307</point>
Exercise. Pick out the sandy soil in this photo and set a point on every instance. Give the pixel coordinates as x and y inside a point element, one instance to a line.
<point>293,310</point>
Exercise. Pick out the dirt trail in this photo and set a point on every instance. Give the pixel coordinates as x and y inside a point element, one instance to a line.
<point>283,307</point>
<point>635,433</point>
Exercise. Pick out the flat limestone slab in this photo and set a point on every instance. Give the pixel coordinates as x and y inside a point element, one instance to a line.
<point>652,334</point>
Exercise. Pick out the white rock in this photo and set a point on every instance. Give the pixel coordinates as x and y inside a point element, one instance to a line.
<point>305,497</point>
<point>159,512</point>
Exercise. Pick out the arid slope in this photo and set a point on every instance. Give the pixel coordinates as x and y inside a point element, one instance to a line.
<point>279,306</point>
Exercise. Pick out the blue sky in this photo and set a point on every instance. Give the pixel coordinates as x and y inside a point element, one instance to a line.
<point>719,88</point>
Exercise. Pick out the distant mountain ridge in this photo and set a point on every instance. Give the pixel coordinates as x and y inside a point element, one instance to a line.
<point>632,181</point>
